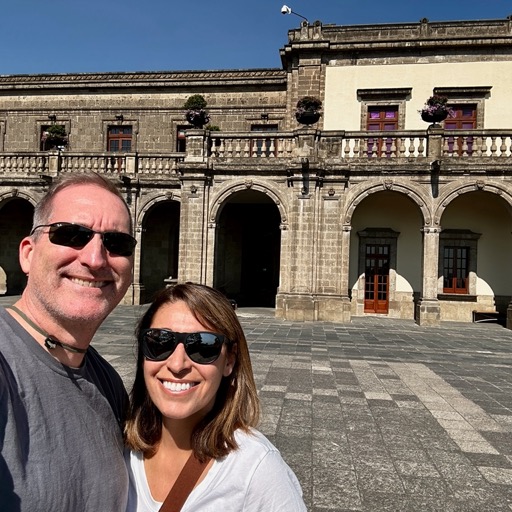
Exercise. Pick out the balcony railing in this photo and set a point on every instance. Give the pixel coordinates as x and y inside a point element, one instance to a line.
<point>477,143</point>
<point>34,164</point>
<point>258,147</point>
<point>23,164</point>
<point>252,145</point>
<point>397,144</point>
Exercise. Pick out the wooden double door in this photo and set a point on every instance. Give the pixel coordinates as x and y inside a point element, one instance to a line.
<point>376,278</point>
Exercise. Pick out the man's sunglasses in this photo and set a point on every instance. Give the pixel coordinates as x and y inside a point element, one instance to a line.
<point>77,236</point>
<point>200,347</point>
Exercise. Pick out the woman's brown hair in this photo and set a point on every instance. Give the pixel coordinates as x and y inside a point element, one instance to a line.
<point>236,404</point>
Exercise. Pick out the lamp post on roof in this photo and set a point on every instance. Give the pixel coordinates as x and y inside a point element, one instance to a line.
<point>288,10</point>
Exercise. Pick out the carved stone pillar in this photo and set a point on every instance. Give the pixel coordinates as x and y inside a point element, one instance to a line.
<point>196,145</point>
<point>345,273</point>
<point>135,294</point>
<point>54,162</point>
<point>435,142</point>
<point>428,311</point>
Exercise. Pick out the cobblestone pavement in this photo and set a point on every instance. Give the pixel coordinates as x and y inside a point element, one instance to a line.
<point>379,414</point>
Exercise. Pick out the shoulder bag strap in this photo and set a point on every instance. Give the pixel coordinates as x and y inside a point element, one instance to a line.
<point>184,484</point>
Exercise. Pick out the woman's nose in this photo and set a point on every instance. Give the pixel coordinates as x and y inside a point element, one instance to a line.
<point>178,360</point>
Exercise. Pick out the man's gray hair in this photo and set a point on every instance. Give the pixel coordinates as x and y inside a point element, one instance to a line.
<point>43,209</point>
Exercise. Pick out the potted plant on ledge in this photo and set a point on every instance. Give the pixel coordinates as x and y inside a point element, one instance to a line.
<point>54,136</point>
<point>436,109</point>
<point>308,110</point>
<point>196,114</point>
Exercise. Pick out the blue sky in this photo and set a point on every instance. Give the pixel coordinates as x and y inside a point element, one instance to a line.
<point>69,36</point>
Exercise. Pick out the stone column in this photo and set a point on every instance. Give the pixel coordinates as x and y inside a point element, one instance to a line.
<point>428,311</point>
<point>295,300</point>
<point>130,191</point>
<point>193,231</point>
<point>137,288</point>
<point>330,259</point>
<point>345,273</point>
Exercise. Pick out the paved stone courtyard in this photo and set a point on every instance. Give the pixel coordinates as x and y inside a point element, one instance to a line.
<point>380,414</point>
<point>377,415</point>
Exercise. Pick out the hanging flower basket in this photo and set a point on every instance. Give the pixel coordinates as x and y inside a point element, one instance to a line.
<point>197,118</point>
<point>308,117</point>
<point>54,136</point>
<point>196,114</point>
<point>308,110</point>
<point>435,109</point>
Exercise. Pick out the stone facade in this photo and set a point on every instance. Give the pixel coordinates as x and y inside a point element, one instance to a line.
<point>345,217</point>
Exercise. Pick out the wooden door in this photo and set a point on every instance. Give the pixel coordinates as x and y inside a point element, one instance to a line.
<point>376,279</point>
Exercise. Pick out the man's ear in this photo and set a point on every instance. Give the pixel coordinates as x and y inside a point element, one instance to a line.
<point>25,253</point>
<point>230,360</point>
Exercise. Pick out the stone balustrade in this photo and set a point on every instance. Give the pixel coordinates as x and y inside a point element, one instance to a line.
<point>477,143</point>
<point>367,147</point>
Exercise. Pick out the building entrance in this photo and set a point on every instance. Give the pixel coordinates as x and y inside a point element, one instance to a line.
<point>376,284</point>
<point>15,223</point>
<point>247,255</point>
<point>160,247</point>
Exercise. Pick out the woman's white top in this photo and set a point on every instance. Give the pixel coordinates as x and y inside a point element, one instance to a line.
<point>254,478</point>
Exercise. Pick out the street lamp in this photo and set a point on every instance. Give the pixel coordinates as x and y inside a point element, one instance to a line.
<point>288,10</point>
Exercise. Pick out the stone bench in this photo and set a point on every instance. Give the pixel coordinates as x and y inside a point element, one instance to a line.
<point>485,316</point>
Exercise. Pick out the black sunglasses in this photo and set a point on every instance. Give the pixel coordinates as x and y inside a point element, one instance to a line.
<point>200,347</point>
<point>77,236</point>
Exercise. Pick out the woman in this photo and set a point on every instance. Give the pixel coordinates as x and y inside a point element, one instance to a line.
<point>194,396</point>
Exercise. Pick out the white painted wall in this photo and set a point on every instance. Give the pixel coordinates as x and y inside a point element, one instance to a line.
<point>395,211</point>
<point>342,110</point>
<point>486,213</point>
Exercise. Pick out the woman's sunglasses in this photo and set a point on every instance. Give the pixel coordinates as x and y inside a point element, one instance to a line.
<point>200,347</point>
<point>77,236</point>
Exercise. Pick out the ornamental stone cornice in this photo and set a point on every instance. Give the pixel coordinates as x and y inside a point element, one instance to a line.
<point>346,44</point>
<point>144,79</point>
<point>424,31</point>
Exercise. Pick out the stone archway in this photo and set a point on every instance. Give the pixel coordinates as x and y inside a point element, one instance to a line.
<point>159,246</point>
<point>385,270</point>
<point>15,223</point>
<point>474,253</point>
<point>247,248</point>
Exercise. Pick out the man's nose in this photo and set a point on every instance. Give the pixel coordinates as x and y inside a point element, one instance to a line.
<point>94,254</point>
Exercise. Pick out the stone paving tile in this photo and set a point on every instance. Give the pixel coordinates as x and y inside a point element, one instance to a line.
<point>496,475</point>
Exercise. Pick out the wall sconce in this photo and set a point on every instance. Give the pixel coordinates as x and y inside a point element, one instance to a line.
<point>52,118</point>
<point>120,117</point>
<point>193,189</point>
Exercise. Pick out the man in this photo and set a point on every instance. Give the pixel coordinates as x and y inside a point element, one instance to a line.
<point>61,404</point>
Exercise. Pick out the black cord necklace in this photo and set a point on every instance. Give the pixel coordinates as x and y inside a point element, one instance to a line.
<point>50,342</point>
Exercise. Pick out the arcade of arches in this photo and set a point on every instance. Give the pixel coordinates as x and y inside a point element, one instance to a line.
<point>397,254</point>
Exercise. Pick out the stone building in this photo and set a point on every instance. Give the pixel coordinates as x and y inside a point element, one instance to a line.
<point>370,210</point>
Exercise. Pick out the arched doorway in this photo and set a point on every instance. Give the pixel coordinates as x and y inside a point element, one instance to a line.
<point>160,247</point>
<point>247,249</point>
<point>15,223</point>
<point>475,247</point>
<point>385,255</point>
